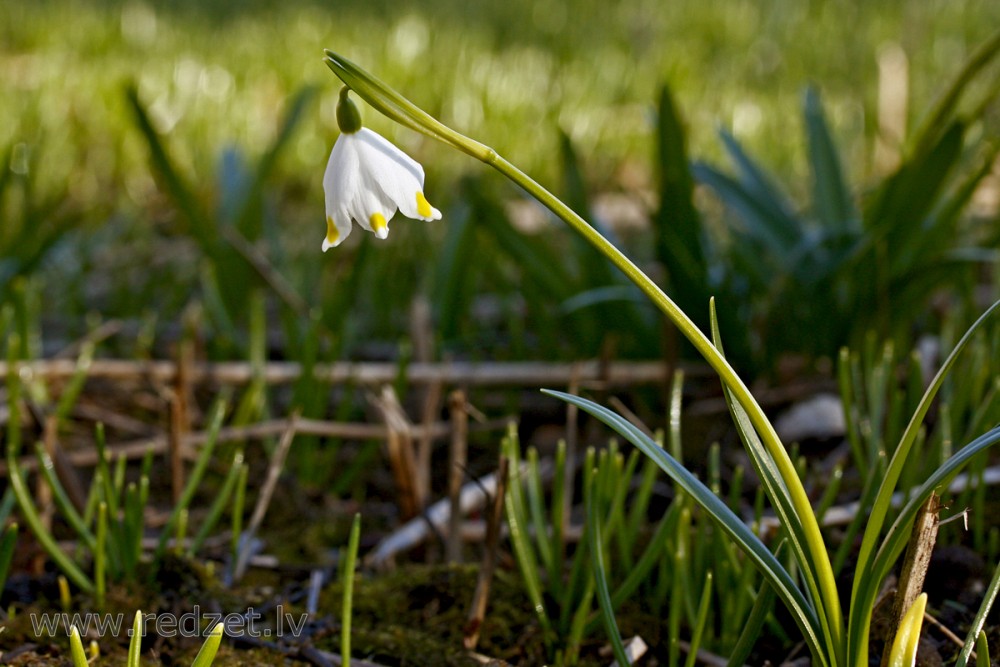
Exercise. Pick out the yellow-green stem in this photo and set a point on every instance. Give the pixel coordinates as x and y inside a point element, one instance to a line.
<point>800,500</point>
<point>395,106</point>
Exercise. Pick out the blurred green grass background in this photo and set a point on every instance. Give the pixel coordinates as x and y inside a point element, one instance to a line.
<point>506,72</point>
<point>217,79</point>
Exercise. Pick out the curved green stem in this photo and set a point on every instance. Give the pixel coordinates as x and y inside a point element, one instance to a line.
<point>823,571</point>
<point>817,566</point>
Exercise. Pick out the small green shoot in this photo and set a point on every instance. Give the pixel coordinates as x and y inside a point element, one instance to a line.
<point>904,648</point>
<point>347,574</point>
<point>77,653</point>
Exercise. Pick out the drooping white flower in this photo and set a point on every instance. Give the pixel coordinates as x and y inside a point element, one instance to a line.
<point>368,179</point>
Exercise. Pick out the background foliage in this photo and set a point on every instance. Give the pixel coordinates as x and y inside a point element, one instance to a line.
<point>139,135</point>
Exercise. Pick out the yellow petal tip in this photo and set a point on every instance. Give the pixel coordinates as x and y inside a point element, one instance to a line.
<point>332,234</point>
<point>379,225</point>
<point>424,208</point>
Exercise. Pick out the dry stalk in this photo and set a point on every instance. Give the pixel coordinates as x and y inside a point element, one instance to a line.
<point>915,564</point>
<point>589,374</point>
<point>274,469</point>
<point>457,460</point>
<point>474,496</point>
<point>477,610</point>
<point>180,421</point>
<point>267,429</point>
<point>430,413</point>
<point>411,484</point>
<point>43,493</point>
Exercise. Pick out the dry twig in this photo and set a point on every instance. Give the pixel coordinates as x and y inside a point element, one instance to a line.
<point>459,373</point>
<point>416,530</point>
<point>411,484</point>
<point>914,570</point>
<point>457,457</point>
<point>477,610</point>
<point>264,497</point>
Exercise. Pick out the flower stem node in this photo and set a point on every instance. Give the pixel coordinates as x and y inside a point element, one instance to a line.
<point>368,179</point>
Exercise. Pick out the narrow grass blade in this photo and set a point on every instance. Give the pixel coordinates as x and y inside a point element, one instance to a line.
<point>137,517</point>
<point>13,393</point>
<point>650,558</point>
<point>595,543</point>
<point>777,211</point>
<point>293,116</point>
<point>131,526</point>
<point>802,612</point>
<point>700,620</point>
<point>218,505</point>
<point>350,559</point>
<point>831,196</point>
<point>830,493</point>
<point>558,544</point>
<point>75,384</point>
<point>639,504</point>
<point>681,244</point>
<point>762,606</point>
<point>206,654</point>
<point>106,479</point>
<point>104,484</point>
<point>761,224</point>
<point>100,554</point>
<point>66,509</point>
<point>976,629</point>
<point>517,522</point>
<point>536,507</point>
<point>215,423</point>
<point>7,543</point>
<point>200,225</point>
<point>34,521</point>
<point>455,270</point>
<point>579,622</point>
<point>7,505</point>
<point>678,598</point>
<point>946,103</point>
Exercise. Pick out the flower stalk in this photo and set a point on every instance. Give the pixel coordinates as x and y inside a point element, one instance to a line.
<point>813,554</point>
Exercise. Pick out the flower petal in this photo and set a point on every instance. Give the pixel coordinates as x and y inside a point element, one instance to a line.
<point>424,209</point>
<point>396,174</point>
<point>367,180</point>
<point>379,225</point>
<point>340,182</point>
<point>368,201</point>
<point>333,235</point>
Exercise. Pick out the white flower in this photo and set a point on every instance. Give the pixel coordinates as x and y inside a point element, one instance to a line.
<point>367,179</point>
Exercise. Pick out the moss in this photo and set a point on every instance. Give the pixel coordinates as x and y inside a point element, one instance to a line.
<point>416,615</point>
